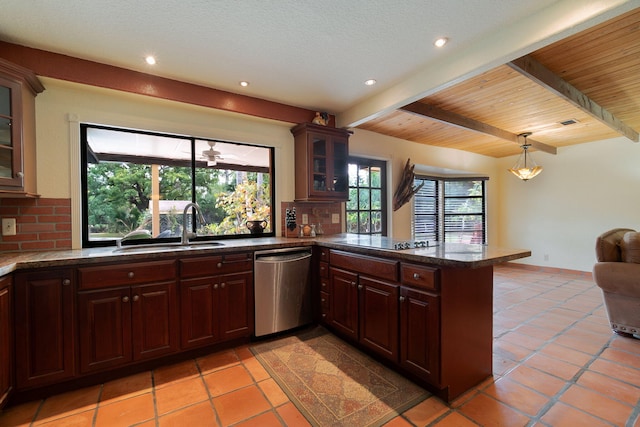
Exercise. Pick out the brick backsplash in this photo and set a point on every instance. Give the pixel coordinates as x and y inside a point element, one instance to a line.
<point>41,224</point>
<point>318,213</point>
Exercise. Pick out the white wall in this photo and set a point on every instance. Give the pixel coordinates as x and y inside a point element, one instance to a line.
<point>63,105</point>
<point>582,192</point>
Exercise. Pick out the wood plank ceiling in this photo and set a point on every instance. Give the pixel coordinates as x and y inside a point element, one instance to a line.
<point>601,66</point>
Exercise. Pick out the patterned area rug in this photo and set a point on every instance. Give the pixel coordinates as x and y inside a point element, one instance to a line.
<point>333,384</point>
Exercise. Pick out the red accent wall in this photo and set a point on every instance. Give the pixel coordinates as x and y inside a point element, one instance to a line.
<point>41,224</point>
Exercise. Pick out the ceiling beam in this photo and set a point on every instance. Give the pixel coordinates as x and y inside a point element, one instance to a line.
<point>537,72</point>
<point>463,122</point>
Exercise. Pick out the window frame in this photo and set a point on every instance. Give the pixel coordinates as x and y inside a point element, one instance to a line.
<point>440,203</point>
<point>85,235</point>
<point>369,162</point>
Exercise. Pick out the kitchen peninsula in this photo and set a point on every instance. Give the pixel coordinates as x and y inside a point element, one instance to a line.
<point>426,311</point>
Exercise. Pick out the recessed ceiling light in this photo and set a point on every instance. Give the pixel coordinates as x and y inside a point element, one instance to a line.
<point>150,60</point>
<point>370,82</point>
<point>441,41</point>
<point>244,83</point>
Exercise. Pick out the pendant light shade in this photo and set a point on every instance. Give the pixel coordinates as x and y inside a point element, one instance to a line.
<point>526,168</point>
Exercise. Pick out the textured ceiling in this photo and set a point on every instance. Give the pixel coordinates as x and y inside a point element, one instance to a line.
<point>313,54</point>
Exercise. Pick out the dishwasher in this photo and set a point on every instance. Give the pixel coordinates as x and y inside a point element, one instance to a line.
<point>282,289</point>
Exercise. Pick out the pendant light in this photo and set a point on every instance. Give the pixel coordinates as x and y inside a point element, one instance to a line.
<point>526,168</point>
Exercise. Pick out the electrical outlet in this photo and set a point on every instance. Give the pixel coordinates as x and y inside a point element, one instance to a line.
<point>8,226</point>
<point>546,257</point>
<point>335,218</point>
<point>305,219</point>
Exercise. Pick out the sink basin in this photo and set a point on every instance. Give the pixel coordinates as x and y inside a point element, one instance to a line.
<point>167,247</point>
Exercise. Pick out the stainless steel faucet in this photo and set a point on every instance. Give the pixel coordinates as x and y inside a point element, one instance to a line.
<point>186,235</point>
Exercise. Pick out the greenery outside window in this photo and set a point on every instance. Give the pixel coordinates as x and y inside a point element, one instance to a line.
<point>136,184</point>
<point>450,210</point>
<point>366,208</point>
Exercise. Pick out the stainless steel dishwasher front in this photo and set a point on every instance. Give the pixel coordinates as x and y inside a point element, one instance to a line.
<point>282,289</point>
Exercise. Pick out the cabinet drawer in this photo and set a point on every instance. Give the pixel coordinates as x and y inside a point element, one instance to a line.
<point>324,269</point>
<point>373,267</point>
<point>324,254</point>
<point>419,276</point>
<point>217,264</point>
<point>126,274</point>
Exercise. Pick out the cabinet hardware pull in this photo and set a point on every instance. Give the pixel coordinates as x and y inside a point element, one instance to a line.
<point>353,283</point>
<point>359,286</point>
<point>219,265</point>
<point>324,284</point>
<point>66,282</point>
<point>215,286</point>
<point>19,174</point>
<point>136,297</point>
<point>324,315</point>
<point>130,275</point>
<point>125,299</point>
<point>401,299</point>
<point>416,276</point>
<point>222,285</point>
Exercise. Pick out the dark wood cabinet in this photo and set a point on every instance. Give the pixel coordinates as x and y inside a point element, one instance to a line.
<point>344,302</point>
<point>420,334</point>
<point>6,339</point>
<point>379,316</point>
<point>321,163</point>
<point>18,89</point>
<point>216,299</point>
<point>127,321</point>
<point>44,326</point>
<point>364,308</point>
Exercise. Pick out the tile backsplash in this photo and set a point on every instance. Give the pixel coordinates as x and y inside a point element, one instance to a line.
<point>41,224</point>
<point>317,213</point>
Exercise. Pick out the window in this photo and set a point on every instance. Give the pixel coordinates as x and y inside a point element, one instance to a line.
<point>450,210</point>
<point>366,208</point>
<point>136,184</point>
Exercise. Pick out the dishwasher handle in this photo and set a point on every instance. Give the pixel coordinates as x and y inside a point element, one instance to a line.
<point>284,257</point>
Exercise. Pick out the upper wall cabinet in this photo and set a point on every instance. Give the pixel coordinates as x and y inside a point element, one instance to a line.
<point>321,156</point>
<point>18,89</point>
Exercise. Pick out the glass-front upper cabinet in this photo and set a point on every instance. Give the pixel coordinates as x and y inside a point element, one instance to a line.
<point>10,160</point>
<point>321,155</point>
<point>18,89</point>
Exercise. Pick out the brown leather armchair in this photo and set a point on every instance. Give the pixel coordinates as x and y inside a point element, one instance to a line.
<point>617,273</point>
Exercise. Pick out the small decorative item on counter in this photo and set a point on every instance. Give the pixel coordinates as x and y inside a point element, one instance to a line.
<point>257,226</point>
<point>306,230</point>
<point>321,118</point>
<point>319,229</point>
<point>313,230</point>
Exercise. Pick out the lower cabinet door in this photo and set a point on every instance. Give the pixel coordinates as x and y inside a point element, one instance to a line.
<point>344,302</point>
<point>420,334</point>
<point>6,340</point>
<point>379,317</point>
<point>44,327</point>
<point>199,302</point>
<point>105,329</point>
<point>154,320</point>
<point>236,314</point>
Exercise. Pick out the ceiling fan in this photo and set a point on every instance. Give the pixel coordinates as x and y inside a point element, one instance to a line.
<point>212,155</point>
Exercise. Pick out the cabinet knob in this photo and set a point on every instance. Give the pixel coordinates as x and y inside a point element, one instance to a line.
<point>324,315</point>
<point>416,276</point>
<point>322,299</point>
<point>215,286</point>
<point>66,282</point>
<point>324,285</point>
<point>130,275</point>
<point>353,283</point>
<point>136,297</point>
<point>20,174</point>
<point>359,286</point>
<point>219,265</point>
<point>222,285</point>
<point>401,299</point>
<point>125,299</point>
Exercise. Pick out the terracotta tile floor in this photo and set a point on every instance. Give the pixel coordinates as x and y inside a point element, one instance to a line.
<point>556,363</point>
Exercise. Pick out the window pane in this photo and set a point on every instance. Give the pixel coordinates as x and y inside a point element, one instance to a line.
<point>363,176</point>
<point>376,180</point>
<point>364,222</point>
<point>363,199</point>
<point>376,222</point>
<point>138,184</point>
<point>352,203</point>
<point>376,199</point>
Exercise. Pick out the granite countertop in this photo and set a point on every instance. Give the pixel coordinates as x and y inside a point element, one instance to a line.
<point>446,255</point>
